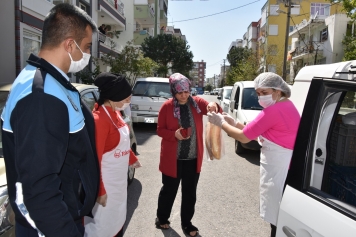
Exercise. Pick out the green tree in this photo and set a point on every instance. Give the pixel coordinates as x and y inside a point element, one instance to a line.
<point>237,54</point>
<point>208,87</point>
<point>169,52</point>
<point>243,65</point>
<point>131,62</point>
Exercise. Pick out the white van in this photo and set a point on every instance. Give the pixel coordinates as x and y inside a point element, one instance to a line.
<point>320,194</point>
<point>148,95</point>
<point>244,106</point>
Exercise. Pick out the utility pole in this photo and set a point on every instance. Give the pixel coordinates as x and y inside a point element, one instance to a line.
<point>156,18</point>
<point>214,82</point>
<point>223,80</point>
<point>284,76</point>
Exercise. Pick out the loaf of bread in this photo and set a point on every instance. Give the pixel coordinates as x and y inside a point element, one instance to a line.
<point>215,141</point>
<point>207,142</point>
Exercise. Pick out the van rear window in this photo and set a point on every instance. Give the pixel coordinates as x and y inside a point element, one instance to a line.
<point>152,89</point>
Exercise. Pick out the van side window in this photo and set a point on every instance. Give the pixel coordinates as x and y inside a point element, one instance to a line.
<point>333,170</point>
<point>237,97</point>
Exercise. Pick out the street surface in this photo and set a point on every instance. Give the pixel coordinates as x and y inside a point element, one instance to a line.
<point>227,198</point>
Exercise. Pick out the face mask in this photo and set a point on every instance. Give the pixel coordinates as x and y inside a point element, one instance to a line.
<point>266,101</point>
<point>76,66</point>
<point>126,105</point>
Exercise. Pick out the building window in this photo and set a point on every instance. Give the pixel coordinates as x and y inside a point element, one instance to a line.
<point>31,44</point>
<point>273,30</point>
<point>273,10</point>
<point>200,69</point>
<point>321,9</point>
<point>295,10</point>
<point>83,7</point>
<point>291,28</point>
<point>324,35</point>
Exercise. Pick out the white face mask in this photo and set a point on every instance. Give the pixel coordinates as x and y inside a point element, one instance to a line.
<point>76,66</point>
<point>126,105</point>
<point>266,100</point>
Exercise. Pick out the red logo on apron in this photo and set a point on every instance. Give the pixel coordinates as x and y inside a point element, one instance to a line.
<point>117,153</point>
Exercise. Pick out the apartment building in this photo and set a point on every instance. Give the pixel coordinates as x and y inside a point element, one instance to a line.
<point>318,40</point>
<point>145,18</point>
<point>272,28</point>
<point>23,21</point>
<point>197,74</point>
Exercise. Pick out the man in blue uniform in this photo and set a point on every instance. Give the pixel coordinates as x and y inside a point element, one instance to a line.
<point>48,135</point>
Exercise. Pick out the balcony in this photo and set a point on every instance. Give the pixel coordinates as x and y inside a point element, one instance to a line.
<point>140,36</point>
<point>307,51</point>
<point>112,13</point>
<point>109,43</point>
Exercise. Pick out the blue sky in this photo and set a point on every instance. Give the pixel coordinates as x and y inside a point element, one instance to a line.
<point>210,37</point>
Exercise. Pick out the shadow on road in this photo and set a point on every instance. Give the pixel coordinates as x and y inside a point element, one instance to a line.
<point>252,156</point>
<point>143,131</point>
<point>133,195</point>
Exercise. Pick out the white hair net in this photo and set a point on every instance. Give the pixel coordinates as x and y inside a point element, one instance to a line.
<point>272,80</point>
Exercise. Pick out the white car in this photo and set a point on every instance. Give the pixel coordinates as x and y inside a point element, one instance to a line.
<point>320,195</point>
<point>244,106</point>
<point>224,98</point>
<point>148,96</point>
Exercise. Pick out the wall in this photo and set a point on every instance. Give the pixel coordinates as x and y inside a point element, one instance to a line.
<point>7,41</point>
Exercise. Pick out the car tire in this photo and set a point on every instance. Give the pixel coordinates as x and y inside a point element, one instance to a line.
<point>130,174</point>
<point>239,149</point>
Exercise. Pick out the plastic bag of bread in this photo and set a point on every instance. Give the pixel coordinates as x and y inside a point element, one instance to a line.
<point>214,143</point>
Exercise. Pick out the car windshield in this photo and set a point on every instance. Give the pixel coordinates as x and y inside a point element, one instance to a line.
<point>3,97</point>
<point>250,99</point>
<point>227,93</point>
<point>152,89</point>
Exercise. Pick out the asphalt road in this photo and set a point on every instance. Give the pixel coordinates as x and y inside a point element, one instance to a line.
<point>228,196</point>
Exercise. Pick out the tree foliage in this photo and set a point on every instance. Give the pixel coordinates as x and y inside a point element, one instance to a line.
<point>243,65</point>
<point>208,87</point>
<point>169,52</point>
<point>131,62</point>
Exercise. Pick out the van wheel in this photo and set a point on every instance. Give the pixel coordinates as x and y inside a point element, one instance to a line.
<point>239,149</point>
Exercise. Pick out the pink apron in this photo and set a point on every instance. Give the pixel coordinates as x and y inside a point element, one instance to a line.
<point>109,220</point>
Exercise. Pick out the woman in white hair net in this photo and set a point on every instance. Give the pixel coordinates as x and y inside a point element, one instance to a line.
<point>275,128</point>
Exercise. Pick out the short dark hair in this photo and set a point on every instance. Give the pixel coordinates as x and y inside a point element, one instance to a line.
<point>63,21</point>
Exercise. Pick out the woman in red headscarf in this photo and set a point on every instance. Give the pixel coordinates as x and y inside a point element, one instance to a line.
<point>180,124</point>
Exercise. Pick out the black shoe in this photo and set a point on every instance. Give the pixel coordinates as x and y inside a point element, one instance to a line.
<point>191,228</point>
<point>160,223</point>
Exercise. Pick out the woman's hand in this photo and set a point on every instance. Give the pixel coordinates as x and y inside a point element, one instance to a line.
<point>212,107</point>
<point>179,136</point>
<point>230,120</point>
<point>102,200</point>
<point>216,119</point>
<point>136,165</point>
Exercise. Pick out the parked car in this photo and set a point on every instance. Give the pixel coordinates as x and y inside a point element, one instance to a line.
<point>206,92</point>
<point>148,96</point>
<point>89,95</point>
<point>193,91</point>
<point>244,106</point>
<point>224,98</point>
<point>320,194</point>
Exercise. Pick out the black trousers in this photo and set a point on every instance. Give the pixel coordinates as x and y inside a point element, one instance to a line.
<point>22,231</point>
<point>187,174</point>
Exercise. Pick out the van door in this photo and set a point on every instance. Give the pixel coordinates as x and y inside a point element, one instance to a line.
<point>320,197</point>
